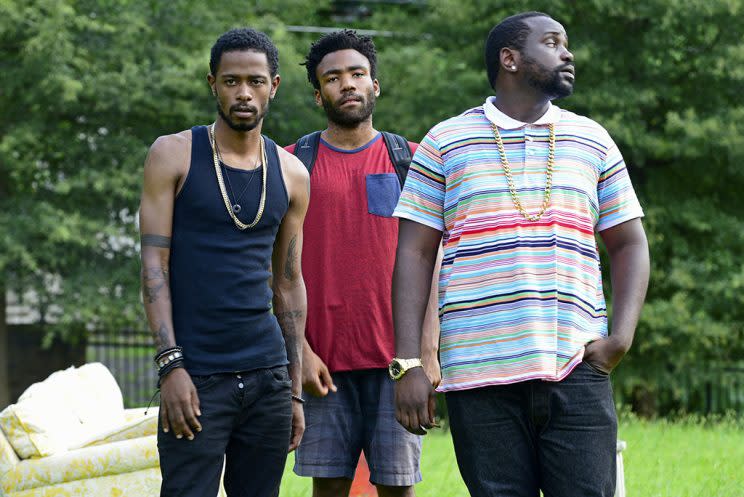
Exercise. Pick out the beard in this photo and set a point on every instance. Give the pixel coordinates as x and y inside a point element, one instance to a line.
<point>242,124</point>
<point>550,82</point>
<point>350,118</point>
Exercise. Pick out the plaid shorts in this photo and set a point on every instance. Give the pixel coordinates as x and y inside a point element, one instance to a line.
<point>359,416</point>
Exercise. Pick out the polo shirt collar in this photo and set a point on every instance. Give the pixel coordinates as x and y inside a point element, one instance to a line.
<point>551,116</point>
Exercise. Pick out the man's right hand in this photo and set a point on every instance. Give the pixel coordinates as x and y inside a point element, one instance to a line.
<point>179,404</point>
<point>316,379</point>
<point>415,404</point>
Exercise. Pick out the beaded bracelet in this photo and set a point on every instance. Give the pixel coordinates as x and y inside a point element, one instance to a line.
<point>168,355</point>
<point>297,398</point>
<point>167,369</point>
<point>178,363</point>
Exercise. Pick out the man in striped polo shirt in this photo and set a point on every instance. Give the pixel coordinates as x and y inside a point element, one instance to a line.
<point>516,190</point>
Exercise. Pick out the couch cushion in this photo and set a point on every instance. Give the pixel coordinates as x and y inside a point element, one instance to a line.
<point>8,457</point>
<point>63,411</point>
<point>42,422</point>
<point>97,399</point>
<point>139,426</point>
<point>142,483</point>
<point>90,462</point>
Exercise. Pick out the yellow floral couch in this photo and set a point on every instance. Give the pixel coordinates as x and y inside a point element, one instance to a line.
<point>71,436</point>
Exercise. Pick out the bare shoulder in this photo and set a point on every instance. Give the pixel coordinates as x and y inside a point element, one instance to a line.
<point>294,171</point>
<point>170,154</point>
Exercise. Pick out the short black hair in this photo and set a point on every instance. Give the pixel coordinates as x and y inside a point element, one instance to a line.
<point>333,42</point>
<point>512,32</point>
<point>240,39</point>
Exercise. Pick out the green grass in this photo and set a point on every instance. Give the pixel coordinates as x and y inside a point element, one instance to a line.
<point>687,458</point>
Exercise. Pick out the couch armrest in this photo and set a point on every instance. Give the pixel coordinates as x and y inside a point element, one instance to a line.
<point>138,426</point>
<point>8,457</point>
<point>136,413</point>
<point>89,462</point>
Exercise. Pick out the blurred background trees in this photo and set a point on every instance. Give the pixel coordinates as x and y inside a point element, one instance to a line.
<point>86,87</point>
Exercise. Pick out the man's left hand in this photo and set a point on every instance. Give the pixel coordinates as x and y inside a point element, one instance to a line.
<point>606,353</point>
<point>432,368</point>
<point>298,425</point>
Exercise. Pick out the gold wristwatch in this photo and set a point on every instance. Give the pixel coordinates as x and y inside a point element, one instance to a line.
<point>399,367</point>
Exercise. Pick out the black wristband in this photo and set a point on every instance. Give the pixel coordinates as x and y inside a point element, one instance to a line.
<point>297,398</point>
<point>165,357</point>
<point>178,363</point>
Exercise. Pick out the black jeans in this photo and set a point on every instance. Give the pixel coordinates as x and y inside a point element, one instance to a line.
<point>558,437</point>
<point>246,424</point>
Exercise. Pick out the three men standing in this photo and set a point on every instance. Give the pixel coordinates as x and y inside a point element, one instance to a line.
<point>350,238</point>
<point>222,205</point>
<point>516,190</point>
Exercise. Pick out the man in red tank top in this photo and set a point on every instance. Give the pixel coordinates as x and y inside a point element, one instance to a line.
<point>347,259</point>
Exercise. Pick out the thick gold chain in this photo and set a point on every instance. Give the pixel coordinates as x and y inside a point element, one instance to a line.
<point>221,182</point>
<point>510,179</point>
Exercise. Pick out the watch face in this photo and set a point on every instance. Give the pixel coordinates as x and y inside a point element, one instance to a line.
<point>395,370</point>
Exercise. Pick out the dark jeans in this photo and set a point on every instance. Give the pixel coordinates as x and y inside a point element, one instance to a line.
<point>558,437</point>
<point>246,423</point>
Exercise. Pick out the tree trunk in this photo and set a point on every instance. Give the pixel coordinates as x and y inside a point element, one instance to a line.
<point>4,373</point>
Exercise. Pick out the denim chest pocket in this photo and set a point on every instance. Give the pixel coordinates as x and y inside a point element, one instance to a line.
<point>383,191</point>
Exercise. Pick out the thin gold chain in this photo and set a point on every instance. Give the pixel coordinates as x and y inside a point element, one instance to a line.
<point>221,182</point>
<point>510,179</point>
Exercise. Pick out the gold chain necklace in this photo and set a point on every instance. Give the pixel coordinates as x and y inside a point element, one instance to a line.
<point>220,181</point>
<point>510,179</point>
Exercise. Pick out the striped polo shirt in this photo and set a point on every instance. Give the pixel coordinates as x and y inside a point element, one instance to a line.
<point>518,300</point>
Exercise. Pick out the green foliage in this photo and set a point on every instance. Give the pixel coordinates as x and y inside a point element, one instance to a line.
<point>689,457</point>
<point>87,85</point>
<point>664,77</point>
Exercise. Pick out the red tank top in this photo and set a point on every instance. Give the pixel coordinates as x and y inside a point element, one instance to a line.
<point>348,256</point>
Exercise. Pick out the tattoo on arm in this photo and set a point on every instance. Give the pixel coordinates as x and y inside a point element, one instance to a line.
<point>289,268</point>
<point>148,240</point>
<point>289,330</point>
<point>154,279</point>
<point>162,338</point>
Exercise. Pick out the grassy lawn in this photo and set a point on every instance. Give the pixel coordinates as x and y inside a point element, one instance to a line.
<point>683,459</point>
<point>663,459</point>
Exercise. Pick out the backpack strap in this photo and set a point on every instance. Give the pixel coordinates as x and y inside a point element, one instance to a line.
<point>306,149</point>
<point>400,154</point>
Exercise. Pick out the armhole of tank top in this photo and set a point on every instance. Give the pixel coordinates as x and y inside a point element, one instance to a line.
<point>185,183</point>
<point>281,174</point>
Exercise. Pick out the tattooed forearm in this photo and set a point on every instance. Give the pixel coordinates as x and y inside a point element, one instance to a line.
<point>289,330</point>
<point>294,349</point>
<point>287,321</point>
<point>289,267</point>
<point>163,337</point>
<point>154,279</point>
<point>161,241</point>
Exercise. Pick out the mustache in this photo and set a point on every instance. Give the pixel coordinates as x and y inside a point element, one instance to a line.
<point>350,96</point>
<point>243,108</point>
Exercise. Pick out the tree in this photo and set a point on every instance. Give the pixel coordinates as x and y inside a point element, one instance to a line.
<point>87,86</point>
<point>664,77</point>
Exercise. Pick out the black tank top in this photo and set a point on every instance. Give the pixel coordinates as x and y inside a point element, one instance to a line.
<point>219,275</point>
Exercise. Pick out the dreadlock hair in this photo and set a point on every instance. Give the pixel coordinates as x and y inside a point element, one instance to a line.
<point>333,42</point>
<point>240,39</point>
<point>512,32</point>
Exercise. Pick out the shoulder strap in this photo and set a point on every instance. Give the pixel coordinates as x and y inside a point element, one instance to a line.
<point>400,154</point>
<point>306,149</point>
